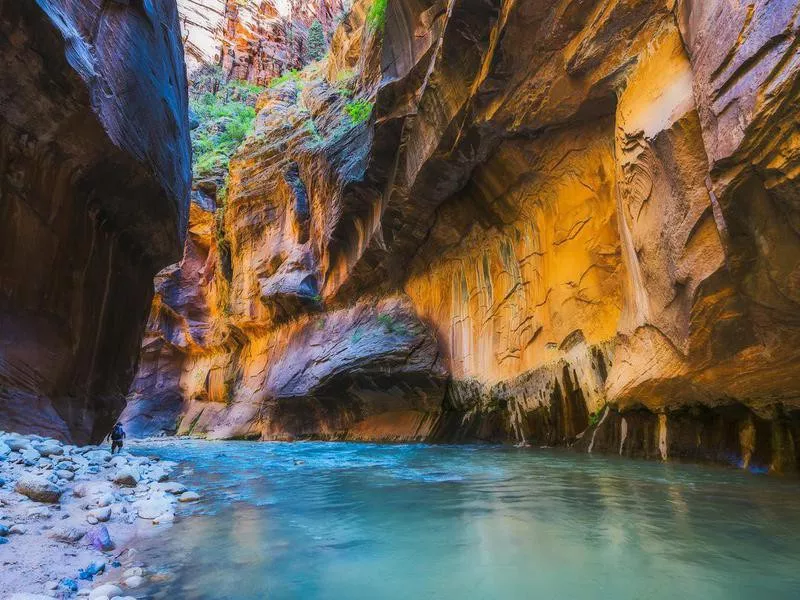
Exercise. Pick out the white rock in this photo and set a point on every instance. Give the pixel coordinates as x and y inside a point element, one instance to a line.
<point>173,487</point>
<point>102,514</point>
<point>167,517</point>
<point>67,534</point>
<point>30,456</point>
<point>17,444</point>
<point>109,590</point>
<point>105,500</point>
<point>133,572</point>
<point>4,450</point>
<point>189,497</point>
<point>49,448</point>
<point>134,582</point>
<point>150,509</point>
<point>98,456</point>
<point>18,529</point>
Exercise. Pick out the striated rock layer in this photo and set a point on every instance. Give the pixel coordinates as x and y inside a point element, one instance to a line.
<point>592,206</point>
<point>94,180</point>
<point>254,40</point>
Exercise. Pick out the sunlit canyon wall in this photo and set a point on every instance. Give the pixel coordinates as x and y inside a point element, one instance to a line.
<point>564,223</point>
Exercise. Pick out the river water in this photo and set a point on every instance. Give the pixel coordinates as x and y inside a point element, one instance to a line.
<point>363,521</point>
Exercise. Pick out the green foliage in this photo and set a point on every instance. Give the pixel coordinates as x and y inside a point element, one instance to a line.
<point>376,17</point>
<point>358,110</point>
<point>594,418</point>
<point>225,119</point>
<point>291,75</point>
<point>345,75</point>
<point>390,324</point>
<point>317,47</point>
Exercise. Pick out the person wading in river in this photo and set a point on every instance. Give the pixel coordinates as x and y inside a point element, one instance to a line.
<point>117,435</point>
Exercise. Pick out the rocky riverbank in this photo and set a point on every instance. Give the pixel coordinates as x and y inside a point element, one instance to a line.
<point>69,518</point>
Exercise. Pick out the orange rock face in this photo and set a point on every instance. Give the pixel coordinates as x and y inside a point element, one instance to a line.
<point>592,208</point>
<point>252,41</point>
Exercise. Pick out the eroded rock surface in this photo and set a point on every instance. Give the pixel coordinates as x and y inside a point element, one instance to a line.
<point>593,206</point>
<point>252,41</point>
<point>94,181</point>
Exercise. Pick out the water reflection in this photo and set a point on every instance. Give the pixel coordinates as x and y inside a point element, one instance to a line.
<point>335,521</point>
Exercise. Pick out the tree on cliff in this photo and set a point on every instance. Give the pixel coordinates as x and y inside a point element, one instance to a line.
<point>316,41</point>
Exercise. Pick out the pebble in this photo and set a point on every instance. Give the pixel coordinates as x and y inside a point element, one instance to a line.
<point>107,589</point>
<point>133,572</point>
<point>102,514</point>
<point>18,529</point>
<point>105,500</point>
<point>134,582</point>
<point>189,497</point>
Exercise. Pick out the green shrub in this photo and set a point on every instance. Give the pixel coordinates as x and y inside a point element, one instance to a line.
<point>317,47</point>
<point>358,110</point>
<point>225,119</point>
<point>291,75</point>
<point>376,17</point>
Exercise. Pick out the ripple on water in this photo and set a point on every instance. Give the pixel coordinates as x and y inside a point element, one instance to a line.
<point>320,520</point>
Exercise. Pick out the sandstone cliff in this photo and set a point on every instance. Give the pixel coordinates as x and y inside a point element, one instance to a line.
<point>252,41</point>
<point>94,181</point>
<point>584,216</point>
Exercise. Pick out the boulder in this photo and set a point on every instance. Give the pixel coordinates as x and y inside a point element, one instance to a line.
<point>127,476</point>
<point>38,489</point>
<point>189,497</point>
<point>50,448</point>
<point>69,535</point>
<point>102,514</point>
<point>99,538</point>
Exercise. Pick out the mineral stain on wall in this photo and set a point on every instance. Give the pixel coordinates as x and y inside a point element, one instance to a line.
<point>540,222</point>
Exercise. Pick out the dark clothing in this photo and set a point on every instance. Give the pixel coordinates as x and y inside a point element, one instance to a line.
<point>117,435</point>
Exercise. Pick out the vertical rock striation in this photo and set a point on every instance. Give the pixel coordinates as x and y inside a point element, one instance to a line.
<point>252,41</point>
<point>94,180</point>
<point>592,206</point>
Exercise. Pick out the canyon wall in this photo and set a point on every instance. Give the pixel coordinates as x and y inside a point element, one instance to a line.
<point>94,183</point>
<point>577,220</point>
<point>254,40</point>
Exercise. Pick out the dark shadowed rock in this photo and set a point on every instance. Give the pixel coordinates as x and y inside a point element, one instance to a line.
<point>95,178</point>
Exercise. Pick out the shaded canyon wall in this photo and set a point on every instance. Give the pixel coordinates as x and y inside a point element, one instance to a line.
<point>94,181</point>
<point>578,222</point>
